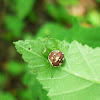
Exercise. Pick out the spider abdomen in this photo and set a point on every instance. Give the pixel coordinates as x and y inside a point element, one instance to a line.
<point>56,58</point>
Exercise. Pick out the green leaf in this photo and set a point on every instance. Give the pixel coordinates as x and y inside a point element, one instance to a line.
<point>6,96</point>
<point>15,67</point>
<point>93,17</point>
<point>79,75</point>
<point>98,0</point>
<point>68,2</point>
<point>25,94</point>
<point>34,90</point>
<point>54,30</point>
<point>23,7</point>
<point>38,91</point>
<point>3,79</point>
<point>29,49</point>
<point>14,24</point>
<point>28,36</point>
<point>84,35</point>
<point>58,12</point>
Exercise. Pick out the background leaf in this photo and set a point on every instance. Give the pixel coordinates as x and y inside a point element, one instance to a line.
<point>15,67</point>
<point>68,2</point>
<point>35,90</point>
<point>59,13</point>
<point>14,24</point>
<point>23,7</point>
<point>88,36</point>
<point>6,96</point>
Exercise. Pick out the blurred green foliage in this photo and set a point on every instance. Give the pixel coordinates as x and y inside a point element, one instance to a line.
<point>15,67</point>
<point>14,24</point>
<point>68,2</point>
<point>35,90</point>
<point>22,19</point>
<point>59,13</point>
<point>88,36</point>
<point>98,0</point>
<point>23,8</point>
<point>6,96</point>
<point>94,18</point>
<point>3,79</point>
